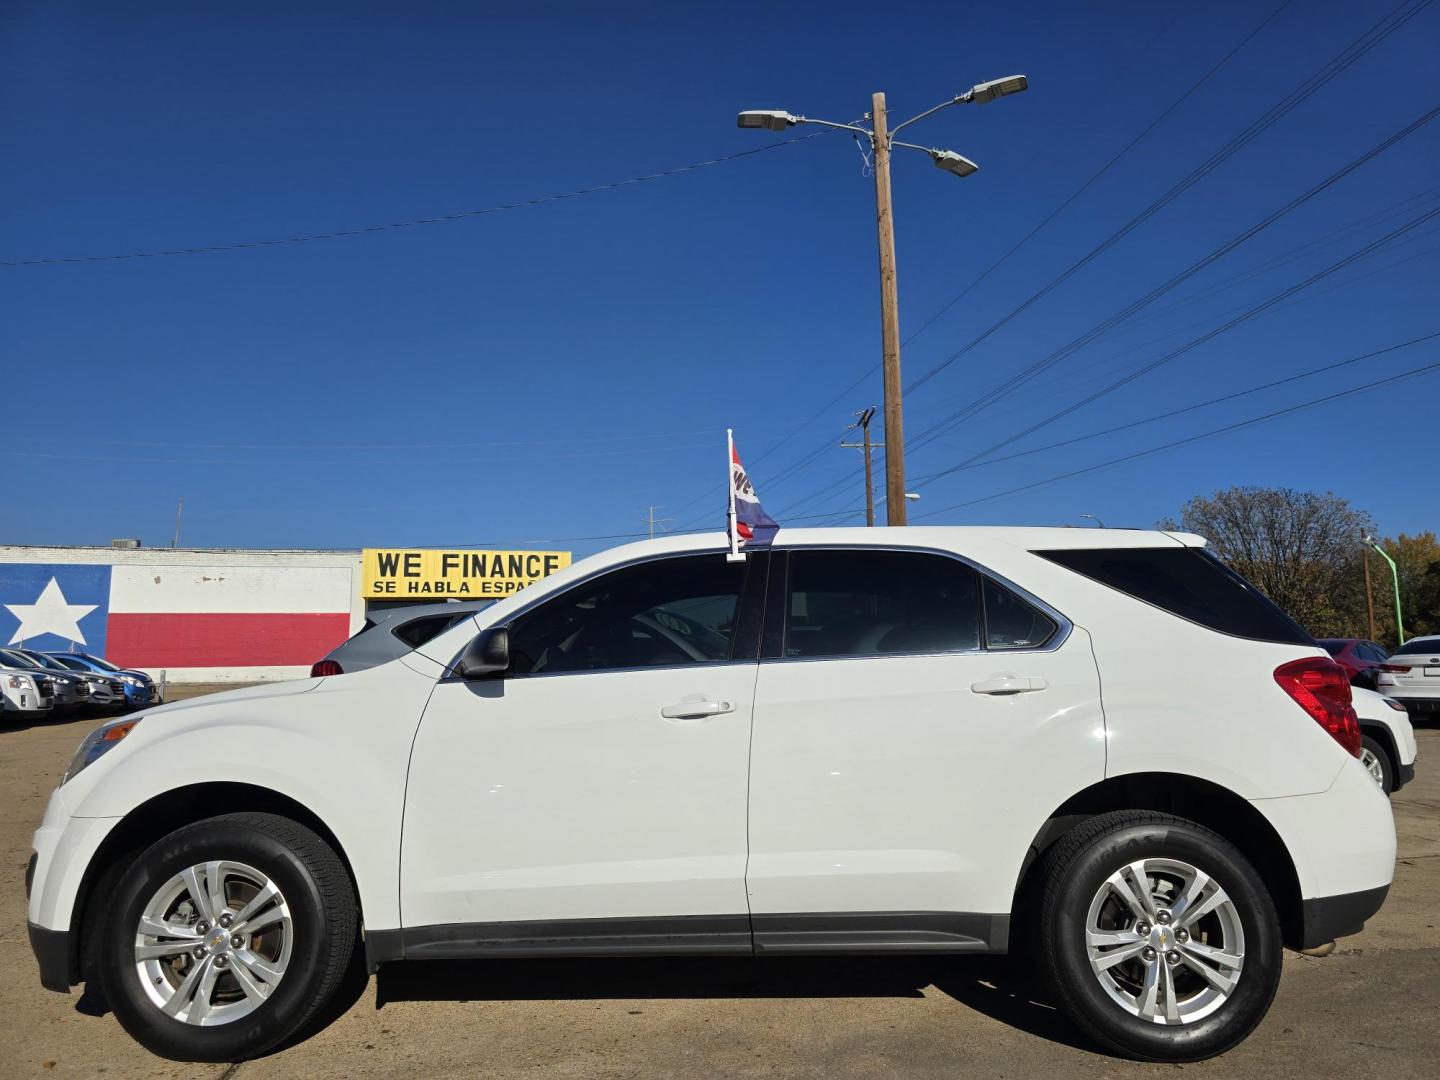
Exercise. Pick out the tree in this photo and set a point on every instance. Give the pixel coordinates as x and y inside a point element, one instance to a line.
<point>1300,548</point>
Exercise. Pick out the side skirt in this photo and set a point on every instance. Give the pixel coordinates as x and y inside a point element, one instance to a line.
<point>893,932</point>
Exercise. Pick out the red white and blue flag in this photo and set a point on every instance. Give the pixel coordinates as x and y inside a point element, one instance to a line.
<point>748,525</point>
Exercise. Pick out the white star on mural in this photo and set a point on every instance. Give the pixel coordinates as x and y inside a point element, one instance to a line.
<point>50,614</point>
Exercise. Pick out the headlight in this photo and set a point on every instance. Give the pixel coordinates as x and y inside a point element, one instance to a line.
<point>21,682</point>
<point>130,680</point>
<point>1395,705</point>
<point>97,743</point>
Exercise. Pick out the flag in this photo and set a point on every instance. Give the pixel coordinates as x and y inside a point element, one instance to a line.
<point>749,524</point>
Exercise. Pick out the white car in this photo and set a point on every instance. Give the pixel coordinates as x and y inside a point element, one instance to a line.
<point>1387,739</point>
<point>1102,744</point>
<point>1411,675</point>
<point>23,690</point>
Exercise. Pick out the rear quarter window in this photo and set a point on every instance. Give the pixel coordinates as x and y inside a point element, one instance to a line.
<point>1190,583</point>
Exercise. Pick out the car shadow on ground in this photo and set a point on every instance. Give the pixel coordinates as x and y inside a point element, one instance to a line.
<point>1000,989</point>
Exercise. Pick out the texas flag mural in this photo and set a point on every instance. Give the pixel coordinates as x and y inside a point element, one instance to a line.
<point>177,617</point>
<point>748,523</point>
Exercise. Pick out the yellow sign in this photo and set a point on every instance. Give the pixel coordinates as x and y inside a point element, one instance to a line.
<point>414,573</point>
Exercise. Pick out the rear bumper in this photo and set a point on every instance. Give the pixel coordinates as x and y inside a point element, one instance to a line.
<point>1331,917</point>
<point>52,953</point>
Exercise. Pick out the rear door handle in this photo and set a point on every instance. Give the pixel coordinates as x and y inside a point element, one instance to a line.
<point>696,709</point>
<point>1007,682</point>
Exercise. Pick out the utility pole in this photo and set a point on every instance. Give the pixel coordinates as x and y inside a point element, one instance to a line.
<point>651,520</point>
<point>863,423</point>
<point>895,509</point>
<point>179,508</point>
<point>1369,596</point>
<point>882,138</point>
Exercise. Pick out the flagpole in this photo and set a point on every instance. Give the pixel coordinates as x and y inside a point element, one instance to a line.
<point>730,487</point>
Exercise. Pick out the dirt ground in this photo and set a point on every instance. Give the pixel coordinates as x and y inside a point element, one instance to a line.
<point>1371,1009</point>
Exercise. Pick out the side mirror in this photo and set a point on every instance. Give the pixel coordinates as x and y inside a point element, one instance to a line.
<point>487,654</point>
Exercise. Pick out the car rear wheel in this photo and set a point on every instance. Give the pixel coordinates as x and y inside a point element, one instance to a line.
<point>1377,761</point>
<point>1157,936</point>
<point>226,936</point>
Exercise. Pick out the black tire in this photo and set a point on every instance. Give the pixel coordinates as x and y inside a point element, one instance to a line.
<point>1382,756</point>
<point>1075,869</point>
<point>318,892</point>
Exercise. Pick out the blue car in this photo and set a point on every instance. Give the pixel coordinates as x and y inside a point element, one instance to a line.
<point>140,689</point>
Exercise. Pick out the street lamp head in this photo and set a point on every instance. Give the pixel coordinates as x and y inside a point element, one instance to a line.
<point>986,92</point>
<point>913,496</point>
<point>767,119</point>
<point>952,162</point>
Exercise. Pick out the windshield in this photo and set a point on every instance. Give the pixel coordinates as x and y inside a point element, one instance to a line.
<point>1334,646</point>
<point>46,661</point>
<point>73,665</point>
<point>17,659</point>
<point>98,662</point>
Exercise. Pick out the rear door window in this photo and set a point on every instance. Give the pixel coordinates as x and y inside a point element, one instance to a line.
<point>865,603</point>
<point>1190,583</point>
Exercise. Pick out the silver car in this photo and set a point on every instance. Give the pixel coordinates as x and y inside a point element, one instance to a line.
<point>394,632</point>
<point>70,688</point>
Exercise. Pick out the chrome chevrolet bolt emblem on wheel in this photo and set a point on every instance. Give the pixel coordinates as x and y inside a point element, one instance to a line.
<point>223,965</point>
<point>1164,941</point>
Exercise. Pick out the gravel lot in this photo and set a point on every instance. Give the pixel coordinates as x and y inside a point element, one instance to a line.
<point>1373,1008</point>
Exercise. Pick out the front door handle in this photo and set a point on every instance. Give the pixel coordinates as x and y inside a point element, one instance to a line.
<point>1007,682</point>
<point>696,709</point>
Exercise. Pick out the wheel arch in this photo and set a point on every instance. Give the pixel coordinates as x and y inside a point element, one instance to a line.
<point>1201,801</point>
<point>163,814</point>
<point>1382,734</point>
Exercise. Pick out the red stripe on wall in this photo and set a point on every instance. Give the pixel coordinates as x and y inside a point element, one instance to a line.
<point>223,640</point>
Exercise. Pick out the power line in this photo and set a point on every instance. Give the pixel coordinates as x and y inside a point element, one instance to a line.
<point>1230,324</point>
<point>1085,186</point>
<point>1308,374</point>
<point>1252,421</point>
<point>460,215</point>
<point>1104,326</point>
<point>1343,60</point>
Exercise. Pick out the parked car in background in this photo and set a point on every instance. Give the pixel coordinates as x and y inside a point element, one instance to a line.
<point>106,691</point>
<point>394,632</point>
<point>1387,741</point>
<point>25,690</point>
<point>71,688</point>
<point>139,689</point>
<point>923,740</point>
<point>1411,675</point>
<point>1360,658</point>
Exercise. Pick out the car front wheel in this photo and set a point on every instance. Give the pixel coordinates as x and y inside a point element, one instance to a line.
<point>1157,936</point>
<point>226,936</point>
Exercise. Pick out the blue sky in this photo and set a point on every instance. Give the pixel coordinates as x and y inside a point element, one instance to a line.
<point>551,372</point>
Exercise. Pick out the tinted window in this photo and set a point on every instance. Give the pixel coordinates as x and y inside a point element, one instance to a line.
<point>848,603</point>
<point>1419,645</point>
<point>1013,623</point>
<point>1189,583</point>
<point>677,611</point>
<point>73,665</point>
<point>418,631</point>
<point>1334,646</point>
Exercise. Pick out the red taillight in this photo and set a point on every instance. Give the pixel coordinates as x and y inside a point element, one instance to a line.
<point>321,668</point>
<point>1393,669</point>
<point>1321,688</point>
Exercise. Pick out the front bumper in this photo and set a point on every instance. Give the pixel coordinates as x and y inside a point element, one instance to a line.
<point>1415,704</point>
<point>52,953</point>
<point>1331,917</point>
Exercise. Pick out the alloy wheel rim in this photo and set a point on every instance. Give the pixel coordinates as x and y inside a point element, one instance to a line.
<point>1371,761</point>
<point>213,943</point>
<point>1164,941</point>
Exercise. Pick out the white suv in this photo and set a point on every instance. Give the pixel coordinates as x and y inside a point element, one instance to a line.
<point>1102,746</point>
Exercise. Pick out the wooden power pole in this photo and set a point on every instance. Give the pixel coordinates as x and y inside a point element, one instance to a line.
<point>864,446</point>
<point>889,322</point>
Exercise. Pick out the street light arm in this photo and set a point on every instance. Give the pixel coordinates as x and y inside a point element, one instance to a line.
<point>958,99</point>
<point>929,150</point>
<point>830,124</point>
